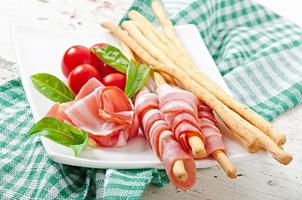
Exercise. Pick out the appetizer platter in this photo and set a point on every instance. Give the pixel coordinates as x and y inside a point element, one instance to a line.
<point>140,97</point>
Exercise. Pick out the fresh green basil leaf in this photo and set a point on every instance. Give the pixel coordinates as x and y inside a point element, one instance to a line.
<point>141,79</point>
<point>61,133</point>
<point>137,74</point>
<point>131,75</point>
<point>113,57</point>
<point>143,75</point>
<point>52,87</point>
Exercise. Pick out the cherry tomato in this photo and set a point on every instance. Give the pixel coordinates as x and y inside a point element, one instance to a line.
<point>115,79</point>
<point>98,63</point>
<point>74,56</point>
<point>80,75</point>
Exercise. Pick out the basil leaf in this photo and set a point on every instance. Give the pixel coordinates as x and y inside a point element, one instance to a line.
<point>137,74</point>
<point>141,79</point>
<point>61,133</point>
<point>131,75</point>
<point>143,75</point>
<point>52,87</point>
<point>113,57</point>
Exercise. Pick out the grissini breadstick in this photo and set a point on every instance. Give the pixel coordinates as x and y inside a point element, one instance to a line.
<point>135,33</point>
<point>155,41</point>
<point>130,54</point>
<point>167,25</point>
<point>169,79</point>
<point>155,36</point>
<point>154,44</point>
<point>205,81</point>
<point>232,119</point>
<point>126,50</point>
<point>252,148</point>
<point>179,170</point>
<point>136,16</point>
<point>225,163</point>
<point>141,22</point>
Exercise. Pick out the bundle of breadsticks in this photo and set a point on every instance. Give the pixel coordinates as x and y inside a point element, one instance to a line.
<point>164,52</point>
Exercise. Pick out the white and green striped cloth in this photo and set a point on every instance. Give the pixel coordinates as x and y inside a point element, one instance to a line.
<point>258,53</point>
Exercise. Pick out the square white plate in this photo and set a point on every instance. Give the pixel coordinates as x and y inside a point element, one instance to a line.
<point>41,50</point>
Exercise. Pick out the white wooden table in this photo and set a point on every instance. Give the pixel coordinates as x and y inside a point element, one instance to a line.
<point>260,179</point>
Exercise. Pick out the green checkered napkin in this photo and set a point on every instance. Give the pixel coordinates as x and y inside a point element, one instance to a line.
<point>258,53</point>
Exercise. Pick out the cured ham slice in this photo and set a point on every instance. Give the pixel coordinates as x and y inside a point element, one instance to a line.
<point>145,102</point>
<point>88,88</point>
<point>180,118</point>
<point>155,132</point>
<point>162,140</point>
<point>108,121</point>
<point>166,94</point>
<point>84,114</point>
<point>172,152</point>
<point>204,114</point>
<point>58,111</point>
<point>96,110</point>
<point>179,108</point>
<point>148,120</point>
<point>208,127</point>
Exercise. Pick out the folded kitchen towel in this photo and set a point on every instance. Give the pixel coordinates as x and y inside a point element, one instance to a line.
<point>257,52</point>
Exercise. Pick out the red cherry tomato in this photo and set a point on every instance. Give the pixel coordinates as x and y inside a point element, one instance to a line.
<point>115,79</point>
<point>80,75</point>
<point>98,63</point>
<point>74,56</point>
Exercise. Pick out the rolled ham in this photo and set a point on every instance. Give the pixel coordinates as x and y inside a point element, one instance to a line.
<point>179,109</point>
<point>104,112</point>
<point>58,111</point>
<point>160,137</point>
<point>171,152</point>
<point>213,137</point>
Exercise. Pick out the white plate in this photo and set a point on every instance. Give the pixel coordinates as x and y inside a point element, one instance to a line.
<point>41,50</point>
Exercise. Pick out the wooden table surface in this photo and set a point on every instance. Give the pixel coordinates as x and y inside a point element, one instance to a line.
<point>258,179</point>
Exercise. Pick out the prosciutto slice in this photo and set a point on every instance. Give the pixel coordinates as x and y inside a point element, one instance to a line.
<point>208,127</point>
<point>104,112</point>
<point>172,152</point>
<point>179,109</point>
<point>163,143</point>
<point>58,111</point>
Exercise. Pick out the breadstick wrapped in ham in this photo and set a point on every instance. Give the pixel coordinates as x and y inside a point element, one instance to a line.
<point>206,123</point>
<point>179,109</point>
<point>208,127</point>
<point>179,165</point>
